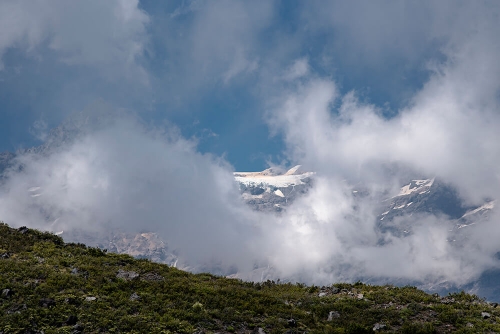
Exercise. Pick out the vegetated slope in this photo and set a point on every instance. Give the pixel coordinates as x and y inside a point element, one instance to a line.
<point>50,286</point>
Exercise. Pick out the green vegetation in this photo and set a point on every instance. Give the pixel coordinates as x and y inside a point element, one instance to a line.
<point>50,286</point>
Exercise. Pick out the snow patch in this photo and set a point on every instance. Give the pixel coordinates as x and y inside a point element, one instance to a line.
<point>293,170</point>
<point>279,193</point>
<point>487,206</point>
<point>465,225</point>
<point>270,177</point>
<point>421,186</point>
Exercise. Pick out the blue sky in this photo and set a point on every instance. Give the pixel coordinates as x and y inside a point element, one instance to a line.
<point>207,67</point>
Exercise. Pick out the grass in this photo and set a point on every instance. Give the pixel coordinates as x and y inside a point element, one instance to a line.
<point>55,287</point>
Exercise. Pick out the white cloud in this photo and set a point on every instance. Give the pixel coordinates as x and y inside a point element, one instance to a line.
<point>449,130</point>
<point>239,65</point>
<point>299,69</point>
<point>109,35</point>
<point>122,176</point>
<point>370,33</point>
<point>221,42</point>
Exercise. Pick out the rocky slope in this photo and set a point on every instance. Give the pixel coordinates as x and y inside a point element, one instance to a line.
<point>48,286</point>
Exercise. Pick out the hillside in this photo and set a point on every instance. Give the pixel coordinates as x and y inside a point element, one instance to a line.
<point>53,287</point>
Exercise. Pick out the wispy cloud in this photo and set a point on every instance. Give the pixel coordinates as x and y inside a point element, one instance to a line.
<point>110,35</point>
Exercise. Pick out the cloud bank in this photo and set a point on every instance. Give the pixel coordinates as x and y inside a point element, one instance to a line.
<point>448,131</point>
<point>127,178</point>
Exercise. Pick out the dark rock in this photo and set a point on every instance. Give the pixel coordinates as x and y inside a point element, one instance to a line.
<point>332,315</point>
<point>78,272</point>
<point>152,277</point>
<point>17,309</point>
<point>47,302</point>
<point>127,275</point>
<point>6,293</point>
<point>258,330</point>
<point>335,290</point>
<point>494,305</point>
<point>77,329</point>
<point>292,323</point>
<point>72,320</point>
<point>71,301</point>
<point>135,296</point>
<point>378,327</point>
<point>447,300</point>
<point>485,315</point>
<point>23,229</point>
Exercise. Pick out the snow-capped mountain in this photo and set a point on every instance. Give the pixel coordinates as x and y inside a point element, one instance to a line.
<point>424,196</point>
<point>271,189</point>
<point>476,215</point>
<point>418,198</point>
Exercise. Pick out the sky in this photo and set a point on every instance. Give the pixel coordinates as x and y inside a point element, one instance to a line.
<point>207,67</point>
<point>164,100</point>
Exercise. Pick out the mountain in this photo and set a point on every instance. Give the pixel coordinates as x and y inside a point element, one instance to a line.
<point>430,196</point>
<point>147,245</point>
<point>423,196</point>
<point>420,197</point>
<point>272,190</point>
<point>49,286</point>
